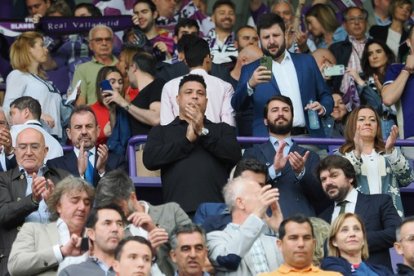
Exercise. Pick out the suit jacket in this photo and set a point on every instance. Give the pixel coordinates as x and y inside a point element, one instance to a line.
<point>167,216</point>
<point>311,85</point>
<point>32,252</point>
<point>15,206</point>
<point>229,250</point>
<point>69,163</point>
<point>10,163</point>
<point>296,196</point>
<point>381,219</point>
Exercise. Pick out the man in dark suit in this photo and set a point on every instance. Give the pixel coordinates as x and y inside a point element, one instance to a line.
<point>23,190</point>
<point>87,160</point>
<point>290,167</point>
<point>378,213</point>
<point>145,219</point>
<point>294,75</point>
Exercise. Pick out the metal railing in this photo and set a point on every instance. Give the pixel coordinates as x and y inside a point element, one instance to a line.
<point>156,181</point>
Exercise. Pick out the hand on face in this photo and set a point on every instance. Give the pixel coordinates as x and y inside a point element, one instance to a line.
<point>267,196</point>
<point>141,219</point>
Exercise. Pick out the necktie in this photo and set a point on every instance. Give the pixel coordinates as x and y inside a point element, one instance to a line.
<point>342,204</point>
<point>89,170</point>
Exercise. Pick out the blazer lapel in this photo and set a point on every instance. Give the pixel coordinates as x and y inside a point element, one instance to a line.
<point>300,75</point>
<point>268,152</point>
<point>361,206</point>
<point>274,84</point>
<point>52,233</point>
<point>19,183</point>
<point>269,247</point>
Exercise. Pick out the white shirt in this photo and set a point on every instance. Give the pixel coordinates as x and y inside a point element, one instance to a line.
<point>349,207</point>
<point>287,80</point>
<point>55,149</point>
<point>3,159</point>
<point>219,95</point>
<point>25,84</point>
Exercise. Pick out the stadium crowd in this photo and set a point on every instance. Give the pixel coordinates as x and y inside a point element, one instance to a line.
<point>192,76</point>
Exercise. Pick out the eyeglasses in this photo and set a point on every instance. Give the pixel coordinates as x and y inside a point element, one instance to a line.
<point>356,19</point>
<point>408,238</point>
<point>100,40</point>
<point>33,147</point>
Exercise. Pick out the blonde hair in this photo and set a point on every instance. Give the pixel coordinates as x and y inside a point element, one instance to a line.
<point>20,57</point>
<point>336,226</point>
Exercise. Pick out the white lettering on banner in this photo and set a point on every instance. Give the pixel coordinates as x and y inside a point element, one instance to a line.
<point>20,26</point>
<point>56,26</point>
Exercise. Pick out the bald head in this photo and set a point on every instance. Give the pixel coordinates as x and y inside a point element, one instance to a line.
<point>250,53</point>
<point>30,149</point>
<point>323,58</point>
<point>36,134</point>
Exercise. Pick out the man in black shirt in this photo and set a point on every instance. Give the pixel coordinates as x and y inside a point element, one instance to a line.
<point>194,154</point>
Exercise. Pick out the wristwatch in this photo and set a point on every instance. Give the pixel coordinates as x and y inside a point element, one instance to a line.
<point>127,106</point>
<point>204,132</point>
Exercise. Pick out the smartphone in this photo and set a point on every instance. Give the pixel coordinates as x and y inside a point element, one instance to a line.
<point>106,86</point>
<point>75,90</point>
<point>336,70</point>
<point>84,244</point>
<point>266,61</point>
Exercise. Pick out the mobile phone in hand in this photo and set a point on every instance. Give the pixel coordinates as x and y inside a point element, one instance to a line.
<point>266,61</point>
<point>106,86</point>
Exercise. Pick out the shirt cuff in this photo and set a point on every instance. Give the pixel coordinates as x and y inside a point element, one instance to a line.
<point>272,172</point>
<point>301,174</point>
<point>9,157</point>
<point>250,90</point>
<point>58,253</point>
<point>393,156</point>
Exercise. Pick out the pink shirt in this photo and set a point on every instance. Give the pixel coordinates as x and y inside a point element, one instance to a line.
<point>219,95</point>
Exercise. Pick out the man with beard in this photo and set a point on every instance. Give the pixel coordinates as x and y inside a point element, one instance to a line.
<point>221,38</point>
<point>145,14</point>
<point>105,229</point>
<point>337,176</point>
<point>87,160</point>
<point>294,75</point>
<point>290,167</point>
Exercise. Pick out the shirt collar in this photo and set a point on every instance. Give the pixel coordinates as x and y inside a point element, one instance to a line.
<point>76,150</point>
<point>145,205</point>
<point>353,40</point>
<point>350,197</point>
<point>199,71</point>
<point>286,269</point>
<point>287,57</point>
<point>288,140</point>
<point>40,172</point>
